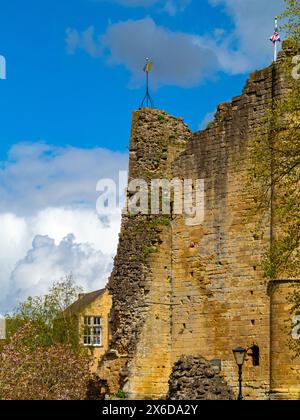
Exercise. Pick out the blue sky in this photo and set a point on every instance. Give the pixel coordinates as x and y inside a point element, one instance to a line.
<point>76,99</point>
<point>74,75</point>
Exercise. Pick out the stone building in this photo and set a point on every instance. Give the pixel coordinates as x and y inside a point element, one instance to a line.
<point>91,316</point>
<point>194,287</point>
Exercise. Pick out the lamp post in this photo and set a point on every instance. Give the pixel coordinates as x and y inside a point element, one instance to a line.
<point>240,355</point>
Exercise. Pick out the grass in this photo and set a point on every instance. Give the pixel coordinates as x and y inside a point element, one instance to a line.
<point>161,118</point>
<point>162,221</point>
<point>149,250</point>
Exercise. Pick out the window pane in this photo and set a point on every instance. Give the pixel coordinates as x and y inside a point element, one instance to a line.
<point>87,320</point>
<point>87,340</point>
<point>97,330</point>
<point>97,333</point>
<point>97,340</point>
<point>97,320</point>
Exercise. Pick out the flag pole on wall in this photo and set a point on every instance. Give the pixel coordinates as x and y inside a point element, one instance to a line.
<point>275,38</point>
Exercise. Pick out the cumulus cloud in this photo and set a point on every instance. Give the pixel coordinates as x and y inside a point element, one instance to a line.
<point>180,59</point>
<point>40,175</point>
<point>185,59</point>
<point>50,192</point>
<point>98,241</point>
<point>46,262</point>
<point>253,24</point>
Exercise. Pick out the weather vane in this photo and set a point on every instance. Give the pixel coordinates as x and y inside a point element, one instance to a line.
<point>275,38</point>
<point>147,99</point>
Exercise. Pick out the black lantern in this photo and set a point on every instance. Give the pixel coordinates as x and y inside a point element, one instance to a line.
<point>240,356</point>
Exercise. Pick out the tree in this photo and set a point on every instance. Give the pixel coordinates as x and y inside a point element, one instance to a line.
<point>32,371</point>
<point>291,17</point>
<point>276,171</point>
<point>47,315</point>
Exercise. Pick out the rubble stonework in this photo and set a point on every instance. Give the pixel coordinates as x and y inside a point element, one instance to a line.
<point>194,378</point>
<point>189,290</point>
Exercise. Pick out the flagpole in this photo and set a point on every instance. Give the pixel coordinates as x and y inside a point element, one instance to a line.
<point>275,43</point>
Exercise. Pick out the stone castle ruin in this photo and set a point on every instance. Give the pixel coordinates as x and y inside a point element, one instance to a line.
<point>184,295</point>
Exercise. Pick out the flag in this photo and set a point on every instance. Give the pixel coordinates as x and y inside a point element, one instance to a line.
<point>148,67</point>
<point>275,37</point>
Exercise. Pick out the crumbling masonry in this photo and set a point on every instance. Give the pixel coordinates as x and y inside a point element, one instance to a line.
<point>197,290</point>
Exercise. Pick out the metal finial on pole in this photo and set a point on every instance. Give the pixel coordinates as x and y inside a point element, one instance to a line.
<point>147,99</point>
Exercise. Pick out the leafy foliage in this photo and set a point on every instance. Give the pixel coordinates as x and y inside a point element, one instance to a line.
<point>121,394</point>
<point>276,159</point>
<point>31,371</point>
<point>47,315</point>
<point>276,173</point>
<point>291,16</point>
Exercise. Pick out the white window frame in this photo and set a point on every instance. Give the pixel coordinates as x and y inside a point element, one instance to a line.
<point>92,324</point>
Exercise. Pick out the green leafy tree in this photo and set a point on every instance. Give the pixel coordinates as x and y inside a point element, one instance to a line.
<point>276,158</point>
<point>291,17</point>
<point>276,171</point>
<point>48,315</point>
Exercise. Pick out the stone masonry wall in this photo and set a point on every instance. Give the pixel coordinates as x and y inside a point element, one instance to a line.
<point>220,299</point>
<point>140,282</point>
<point>190,289</point>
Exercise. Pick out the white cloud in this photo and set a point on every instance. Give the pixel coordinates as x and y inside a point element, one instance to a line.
<point>48,191</point>
<point>47,262</point>
<point>180,59</point>
<point>19,277</point>
<point>84,40</point>
<point>185,59</point>
<point>253,25</point>
<point>37,176</point>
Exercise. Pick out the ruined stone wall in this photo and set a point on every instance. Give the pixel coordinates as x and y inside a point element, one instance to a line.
<point>140,282</point>
<point>220,299</point>
<point>194,378</point>
<point>218,287</point>
<point>195,289</point>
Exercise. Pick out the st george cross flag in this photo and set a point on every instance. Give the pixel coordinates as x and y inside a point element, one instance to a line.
<point>275,37</point>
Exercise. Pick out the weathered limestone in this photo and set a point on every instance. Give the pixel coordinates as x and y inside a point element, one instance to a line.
<point>140,283</point>
<point>189,290</point>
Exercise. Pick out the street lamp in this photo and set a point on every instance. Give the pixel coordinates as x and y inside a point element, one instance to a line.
<point>240,356</point>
